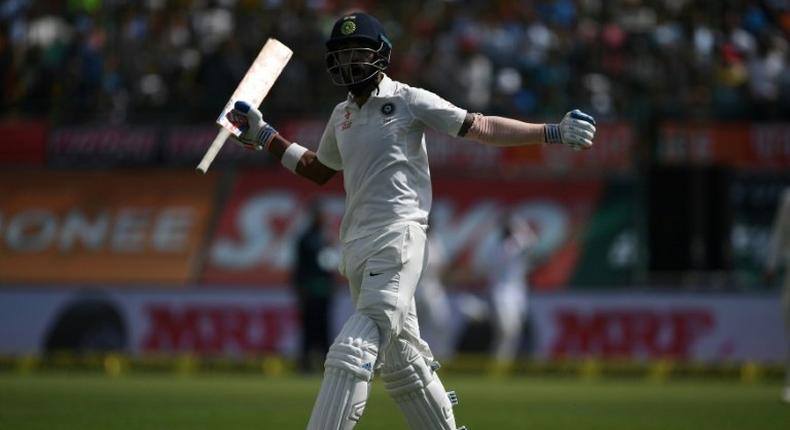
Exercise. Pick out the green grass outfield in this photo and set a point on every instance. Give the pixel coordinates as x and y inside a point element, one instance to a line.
<point>49,401</point>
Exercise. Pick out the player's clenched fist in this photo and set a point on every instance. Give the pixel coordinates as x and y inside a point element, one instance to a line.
<point>255,132</point>
<point>576,129</point>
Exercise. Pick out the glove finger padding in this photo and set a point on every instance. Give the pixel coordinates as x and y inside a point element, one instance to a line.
<point>579,141</point>
<point>577,114</point>
<point>254,115</point>
<point>582,131</point>
<point>238,119</point>
<point>255,132</point>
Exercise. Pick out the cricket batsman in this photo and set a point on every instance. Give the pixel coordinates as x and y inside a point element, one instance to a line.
<point>376,137</point>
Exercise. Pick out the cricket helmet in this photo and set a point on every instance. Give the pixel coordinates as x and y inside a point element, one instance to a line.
<point>357,49</point>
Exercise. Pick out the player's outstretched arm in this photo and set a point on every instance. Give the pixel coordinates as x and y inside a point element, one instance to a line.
<point>576,129</point>
<point>258,135</point>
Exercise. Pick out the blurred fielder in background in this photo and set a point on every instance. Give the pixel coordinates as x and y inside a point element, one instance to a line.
<point>433,305</point>
<point>507,268</point>
<point>376,138</point>
<point>778,255</point>
<point>314,281</point>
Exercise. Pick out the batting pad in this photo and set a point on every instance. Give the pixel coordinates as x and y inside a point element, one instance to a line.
<point>416,389</point>
<point>347,375</point>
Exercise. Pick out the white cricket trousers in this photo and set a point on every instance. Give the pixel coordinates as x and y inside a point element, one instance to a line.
<point>383,270</point>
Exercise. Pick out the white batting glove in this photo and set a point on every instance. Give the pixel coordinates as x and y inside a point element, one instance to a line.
<point>576,129</point>
<point>256,134</point>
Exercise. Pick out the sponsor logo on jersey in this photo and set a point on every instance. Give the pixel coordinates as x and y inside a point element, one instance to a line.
<point>388,108</point>
<point>347,123</point>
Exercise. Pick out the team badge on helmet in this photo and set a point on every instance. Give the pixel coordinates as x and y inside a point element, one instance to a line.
<point>348,27</point>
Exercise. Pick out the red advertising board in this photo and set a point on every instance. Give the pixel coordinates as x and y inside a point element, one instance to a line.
<point>115,228</point>
<point>467,213</point>
<point>612,153</point>
<point>259,224</point>
<point>23,143</point>
<point>267,209</point>
<point>186,145</point>
<point>741,145</point>
<point>102,145</point>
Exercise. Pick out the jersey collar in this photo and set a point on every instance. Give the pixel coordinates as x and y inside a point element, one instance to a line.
<point>386,87</point>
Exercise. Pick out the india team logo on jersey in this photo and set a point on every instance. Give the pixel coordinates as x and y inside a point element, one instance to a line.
<point>388,108</point>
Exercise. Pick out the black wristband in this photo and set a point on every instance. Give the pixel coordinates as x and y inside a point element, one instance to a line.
<point>551,134</point>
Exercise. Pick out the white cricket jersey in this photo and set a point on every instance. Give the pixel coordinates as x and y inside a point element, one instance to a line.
<point>380,148</point>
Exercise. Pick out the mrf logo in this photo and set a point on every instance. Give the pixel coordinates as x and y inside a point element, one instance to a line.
<point>629,333</point>
<point>210,328</point>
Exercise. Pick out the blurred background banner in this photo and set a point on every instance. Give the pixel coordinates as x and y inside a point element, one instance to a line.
<point>468,213</point>
<point>102,146</point>
<point>715,328</point>
<point>239,323</point>
<point>119,227</point>
<point>617,157</point>
<point>23,143</point>
<point>256,230</point>
<point>207,323</point>
<point>184,146</point>
<point>253,243</point>
<point>745,146</point>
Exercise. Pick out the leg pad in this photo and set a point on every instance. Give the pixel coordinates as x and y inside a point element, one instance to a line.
<point>349,370</point>
<point>412,383</point>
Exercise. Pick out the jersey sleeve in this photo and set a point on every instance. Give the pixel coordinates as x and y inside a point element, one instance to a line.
<point>436,112</point>
<point>328,153</point>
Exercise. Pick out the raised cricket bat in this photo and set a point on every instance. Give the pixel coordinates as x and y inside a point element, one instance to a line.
<point>252,89</point>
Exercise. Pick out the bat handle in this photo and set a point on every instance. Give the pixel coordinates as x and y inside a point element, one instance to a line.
<point>213,150</point>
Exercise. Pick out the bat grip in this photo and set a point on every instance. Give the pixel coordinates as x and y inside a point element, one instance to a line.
<point>213,150</point>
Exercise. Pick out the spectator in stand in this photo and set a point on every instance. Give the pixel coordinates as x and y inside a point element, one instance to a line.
<point>162,61</point>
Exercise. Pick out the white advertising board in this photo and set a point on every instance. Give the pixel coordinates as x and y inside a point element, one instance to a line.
<point>239,322</point>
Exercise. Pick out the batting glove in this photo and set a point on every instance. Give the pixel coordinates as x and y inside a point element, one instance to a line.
<point>256,133</point>
<point>576,129</point>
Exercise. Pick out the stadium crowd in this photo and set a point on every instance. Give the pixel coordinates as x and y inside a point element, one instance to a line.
<point>161,60</point>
